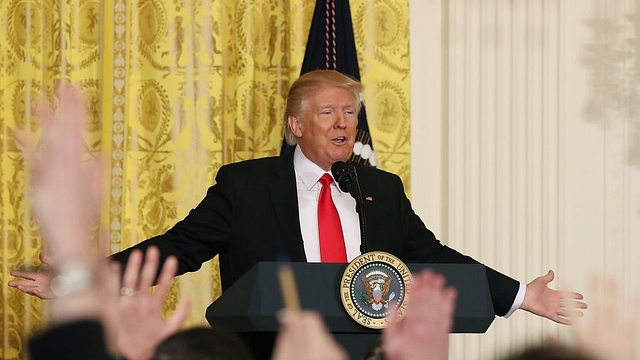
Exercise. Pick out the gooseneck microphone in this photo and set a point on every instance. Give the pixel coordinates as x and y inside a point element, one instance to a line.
<point>343,173</point>
<point>347,178</point>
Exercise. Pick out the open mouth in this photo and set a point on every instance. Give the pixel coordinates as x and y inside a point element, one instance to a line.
<point>340,140</point>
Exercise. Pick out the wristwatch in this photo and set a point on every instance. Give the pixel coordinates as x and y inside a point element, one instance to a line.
<point>72,276</point>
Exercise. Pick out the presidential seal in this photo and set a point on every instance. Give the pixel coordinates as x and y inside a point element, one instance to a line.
<point>373,285</point>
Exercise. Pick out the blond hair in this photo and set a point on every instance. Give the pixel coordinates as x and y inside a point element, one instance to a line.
<point>307,85</point>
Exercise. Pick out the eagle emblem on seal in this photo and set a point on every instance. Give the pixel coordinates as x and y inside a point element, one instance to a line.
<point>369,283</point>
<point>376,286</point>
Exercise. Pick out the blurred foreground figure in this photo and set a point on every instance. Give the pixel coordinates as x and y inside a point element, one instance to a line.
<point>87,307</point>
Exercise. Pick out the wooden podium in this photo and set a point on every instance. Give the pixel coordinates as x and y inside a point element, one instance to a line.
<point>249,306</point>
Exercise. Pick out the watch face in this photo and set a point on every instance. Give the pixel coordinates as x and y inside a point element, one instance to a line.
<point>71,277</point>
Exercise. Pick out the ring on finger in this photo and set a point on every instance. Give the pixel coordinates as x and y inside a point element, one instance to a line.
<point>126,291</point>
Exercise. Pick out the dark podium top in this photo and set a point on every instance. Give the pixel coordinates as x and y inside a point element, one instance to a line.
<point>250,305</point>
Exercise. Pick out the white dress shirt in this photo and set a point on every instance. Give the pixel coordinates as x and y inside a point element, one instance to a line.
<point>307,176</point>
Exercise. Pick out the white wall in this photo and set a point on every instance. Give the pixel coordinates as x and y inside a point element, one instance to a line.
<point>526,144</point>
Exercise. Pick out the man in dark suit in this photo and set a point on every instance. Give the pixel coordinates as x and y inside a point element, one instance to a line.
<point>264,209</point>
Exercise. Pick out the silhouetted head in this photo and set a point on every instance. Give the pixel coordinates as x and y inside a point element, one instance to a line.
<point>201,343</point>
<point>550,352</point>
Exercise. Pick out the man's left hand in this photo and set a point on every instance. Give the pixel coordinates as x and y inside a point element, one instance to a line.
<point>559,306</point>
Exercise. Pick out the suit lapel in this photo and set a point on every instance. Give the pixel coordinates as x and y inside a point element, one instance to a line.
<point>284,198</point>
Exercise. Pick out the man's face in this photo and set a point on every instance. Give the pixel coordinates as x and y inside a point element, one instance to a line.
<point>326,128</point>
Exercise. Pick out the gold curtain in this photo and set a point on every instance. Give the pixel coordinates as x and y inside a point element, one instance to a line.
<point>176,89</point>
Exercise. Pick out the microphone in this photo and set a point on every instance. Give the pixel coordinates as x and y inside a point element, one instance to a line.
<point>347,178</point>
<point>343,174</point>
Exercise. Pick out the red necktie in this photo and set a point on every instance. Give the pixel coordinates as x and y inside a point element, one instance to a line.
<point>332,247</point>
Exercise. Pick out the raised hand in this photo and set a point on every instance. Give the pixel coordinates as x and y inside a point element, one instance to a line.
<point>303,334</point>
<point>424,332</point>
<point>66,187</point>
<point>135,325</point>
<point>605,334</point>
<point>67,191</point>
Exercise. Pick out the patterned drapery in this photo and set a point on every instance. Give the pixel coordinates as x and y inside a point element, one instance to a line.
<point>175,90</point>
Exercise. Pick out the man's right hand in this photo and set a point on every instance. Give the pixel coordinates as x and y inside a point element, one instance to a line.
<point>37,283</point>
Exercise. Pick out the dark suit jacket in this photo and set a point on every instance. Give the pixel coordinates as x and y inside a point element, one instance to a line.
<point>251,215</point>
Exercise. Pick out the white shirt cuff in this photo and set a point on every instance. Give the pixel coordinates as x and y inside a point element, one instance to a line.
<point>517,301</point>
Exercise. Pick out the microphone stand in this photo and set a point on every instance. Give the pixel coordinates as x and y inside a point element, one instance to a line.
<point>347,178</point>
<point>357,194</point>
